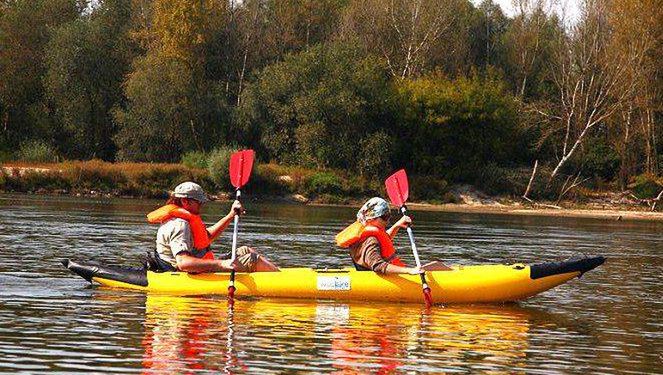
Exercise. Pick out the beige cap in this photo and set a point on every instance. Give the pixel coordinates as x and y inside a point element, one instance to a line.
<point>190,190</point>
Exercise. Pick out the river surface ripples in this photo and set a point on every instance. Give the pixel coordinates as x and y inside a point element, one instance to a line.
<point>609,321</point>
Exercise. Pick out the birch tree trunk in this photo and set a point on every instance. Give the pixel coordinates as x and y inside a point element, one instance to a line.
<point>589,80</point>
<point>403,32</point>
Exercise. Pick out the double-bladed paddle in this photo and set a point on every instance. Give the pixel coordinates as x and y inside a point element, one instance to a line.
<point>241,163</point>
<point>397,189</point>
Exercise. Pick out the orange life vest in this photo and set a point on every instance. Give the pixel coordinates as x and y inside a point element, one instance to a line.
<point>357,233</point>
<point>201,240</point>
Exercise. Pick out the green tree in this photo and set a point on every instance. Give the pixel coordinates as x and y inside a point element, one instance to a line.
<point>411,37</point>
<point>172,104</point>
<point>489,26</point>
<point>315,107</point>
<point>166,114</point>
<point>457,126</point>
<point>252,34</point>
<point>86,62</point>
<point>25,28</point>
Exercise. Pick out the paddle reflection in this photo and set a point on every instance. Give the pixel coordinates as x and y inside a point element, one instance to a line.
<point>186,334</point>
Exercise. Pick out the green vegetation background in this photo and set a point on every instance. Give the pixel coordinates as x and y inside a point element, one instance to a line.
<point>326,92</point>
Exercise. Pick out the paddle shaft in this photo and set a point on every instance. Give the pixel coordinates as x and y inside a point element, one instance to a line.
<point>235,229</point>
<point>410,234</point>
<point>231,284</point>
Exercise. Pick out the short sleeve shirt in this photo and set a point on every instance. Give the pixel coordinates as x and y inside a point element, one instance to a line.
<point>174,237</point>
<point>367,254</point>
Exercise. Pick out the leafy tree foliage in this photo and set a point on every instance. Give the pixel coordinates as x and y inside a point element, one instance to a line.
<point>489,27</point>
<point>166,114</point>
<point>458,124</point>
<point>315,107</point>
<point>354,84</point>
<point>411,36</point>
<point>25,30</point>
<point>86,61</point>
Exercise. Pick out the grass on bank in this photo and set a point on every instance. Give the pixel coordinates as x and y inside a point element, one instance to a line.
<point>154,180</point>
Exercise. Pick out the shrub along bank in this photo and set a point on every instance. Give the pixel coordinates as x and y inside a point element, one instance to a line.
<point>155,180</point>
<point>148,180</point>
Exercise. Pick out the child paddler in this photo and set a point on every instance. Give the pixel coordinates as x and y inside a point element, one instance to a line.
<point>370,243</point>
<point>183,240</point>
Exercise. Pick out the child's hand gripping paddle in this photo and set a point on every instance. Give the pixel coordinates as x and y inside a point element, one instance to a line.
<point>397,189</point>
<point>241,163</point>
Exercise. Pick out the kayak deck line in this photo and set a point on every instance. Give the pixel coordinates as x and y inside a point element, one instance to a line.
<point>461,284</point>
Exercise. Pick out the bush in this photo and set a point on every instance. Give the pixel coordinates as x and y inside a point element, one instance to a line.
<point>31,181</point>
<point>217,166</point>
<point>600,160</point>
<point>266,180</point>
<point>37,151</point>
<point>159,179</point>
<point>314,107</point>
<point>195,159</point>
<point>646,186</point>
<point>375,154</point>
<point>428,188</point>
<point>5,155</point>
<point>94,174</point>
<point>458,124</point>
<point>495,180</point>
<point>324,183</point>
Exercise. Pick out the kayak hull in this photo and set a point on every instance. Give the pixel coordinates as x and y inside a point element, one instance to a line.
<point>461,284</point>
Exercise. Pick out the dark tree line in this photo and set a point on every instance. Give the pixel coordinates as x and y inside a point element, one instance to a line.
<point>440,86</point>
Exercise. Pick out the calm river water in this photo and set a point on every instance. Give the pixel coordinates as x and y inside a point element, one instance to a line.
<point>609,321</point>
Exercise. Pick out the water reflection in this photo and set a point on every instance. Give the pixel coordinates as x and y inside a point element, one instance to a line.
<point>184,334</point>
<point>609,321</point>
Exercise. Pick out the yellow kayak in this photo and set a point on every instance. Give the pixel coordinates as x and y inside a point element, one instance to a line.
<point>461,284</point>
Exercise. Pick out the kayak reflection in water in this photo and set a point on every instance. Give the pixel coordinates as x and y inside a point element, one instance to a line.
<point>183,241</point>
<point>187,335</point>
<point>200,335</point>
<point>371,244</point>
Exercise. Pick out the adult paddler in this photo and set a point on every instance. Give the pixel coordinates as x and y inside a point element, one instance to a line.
<point>370,242</point>
<point>183,241</point>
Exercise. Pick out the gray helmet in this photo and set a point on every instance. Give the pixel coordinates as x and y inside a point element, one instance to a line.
<point>373,208</point>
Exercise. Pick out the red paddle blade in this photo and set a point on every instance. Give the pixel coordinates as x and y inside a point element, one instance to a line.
<point>397,188</point>
<point>241,163</point>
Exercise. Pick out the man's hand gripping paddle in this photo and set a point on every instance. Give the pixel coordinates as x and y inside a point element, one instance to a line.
<point>241,163</point>
<point>397,189</point>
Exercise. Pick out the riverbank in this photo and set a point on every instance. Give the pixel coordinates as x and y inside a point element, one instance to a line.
<point>299,186</point>
<point>612,213</point>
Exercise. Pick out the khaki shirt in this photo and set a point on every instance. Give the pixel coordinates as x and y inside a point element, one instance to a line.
<point>173,237</point>
<point>367,255</point>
